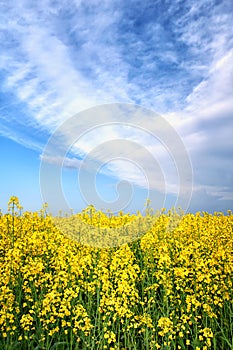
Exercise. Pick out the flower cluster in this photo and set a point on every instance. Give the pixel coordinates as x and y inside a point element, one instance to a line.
<point>168,288</point>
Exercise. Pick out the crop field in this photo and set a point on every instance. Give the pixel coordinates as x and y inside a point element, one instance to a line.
<point>170,286</point>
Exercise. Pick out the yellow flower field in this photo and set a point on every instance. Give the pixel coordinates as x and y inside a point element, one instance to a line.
<point>168,288</point>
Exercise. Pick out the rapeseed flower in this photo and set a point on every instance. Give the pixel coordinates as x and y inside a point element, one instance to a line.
<point>170,287</point>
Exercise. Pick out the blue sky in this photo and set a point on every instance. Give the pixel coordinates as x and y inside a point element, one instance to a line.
<point>60,58</point>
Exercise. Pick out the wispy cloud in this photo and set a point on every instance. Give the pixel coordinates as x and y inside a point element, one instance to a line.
<point>70,163</point>
<point>62,59</point>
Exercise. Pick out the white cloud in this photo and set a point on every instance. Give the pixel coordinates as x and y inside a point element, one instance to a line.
<point>72,163</point>
<point>43,73</point>
<point>214,94</point>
